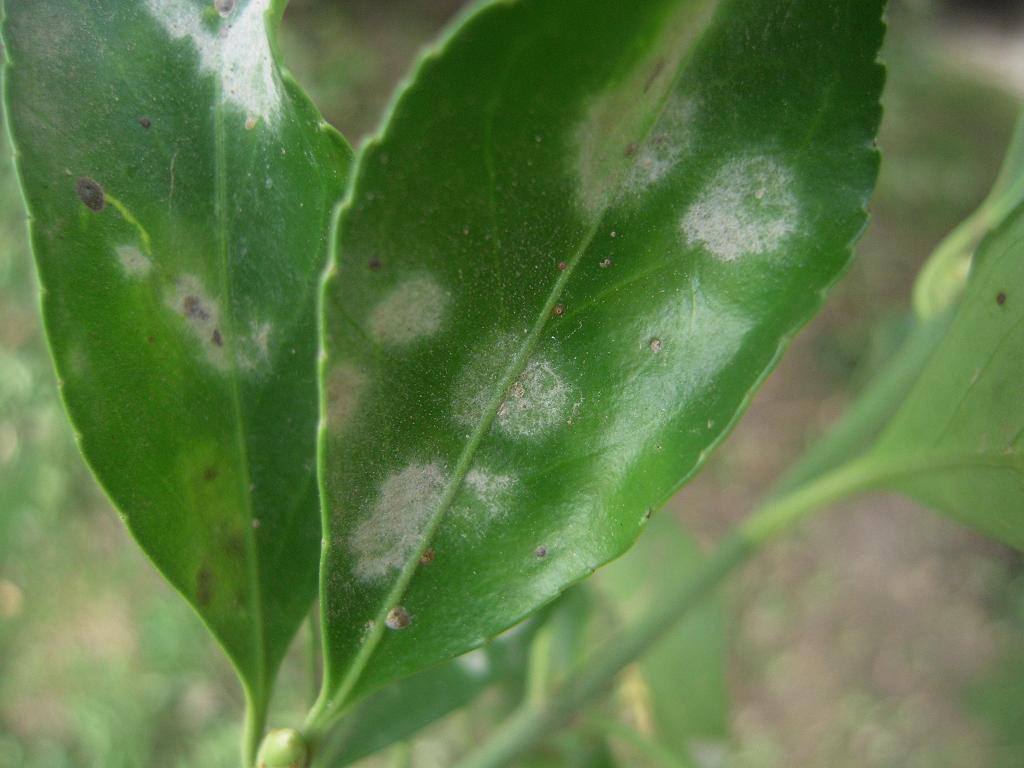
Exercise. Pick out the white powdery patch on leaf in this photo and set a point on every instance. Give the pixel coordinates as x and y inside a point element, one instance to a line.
<point>189,299</point>
<point>487,491</point>
<point>538,402</point>
<point>253,351</point>
<point>392,531</point>
<point>662,152</point>
<point>343,390</point>
<point>133,261</point>
<point>238,52</point>
<point>412,310</point>
<point>747,209</point>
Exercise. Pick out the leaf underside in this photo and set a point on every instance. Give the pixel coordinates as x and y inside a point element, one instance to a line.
<point>180,188</point>
<point>562,269</point>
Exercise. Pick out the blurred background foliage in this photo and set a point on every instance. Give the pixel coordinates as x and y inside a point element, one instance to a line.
<point>880,635</point>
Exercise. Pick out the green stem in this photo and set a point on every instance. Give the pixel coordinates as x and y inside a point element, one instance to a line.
<point>538,668</point>
<point>252,730</point>
<point>534,721</point>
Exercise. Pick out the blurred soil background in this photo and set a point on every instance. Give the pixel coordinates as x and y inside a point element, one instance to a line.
<point>878,636</point>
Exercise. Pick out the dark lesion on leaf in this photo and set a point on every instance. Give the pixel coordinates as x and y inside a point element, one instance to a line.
<point>234,545</point>
<point>1001,298</point>
<point>658,69</point>
<point>204,586</point>
<point>216,337</point>
<point>375,265</point>
<point>145,122</point>
<point>194,308</point>
<point>210,474</point>
<point>91,194</point>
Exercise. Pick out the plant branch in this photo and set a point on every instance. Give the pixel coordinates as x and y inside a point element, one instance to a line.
<point>532,723</point>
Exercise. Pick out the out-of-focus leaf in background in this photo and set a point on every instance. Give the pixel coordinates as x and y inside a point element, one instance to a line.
<point>676,695</point>
<point>957,441</point>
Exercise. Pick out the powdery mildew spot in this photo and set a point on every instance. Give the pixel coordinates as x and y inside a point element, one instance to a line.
<point>747,209</point>
<point>671,140</point>
<point>343,390</point>
<point>133,261</point>
<point>188,299</point>
<point>238,52</point>
<point>538,401</point>
<point>488,486</point>
<point>261,337</point>
<point>487,491</point>
<point>389,535</point>
<point>412,310</point>
<point>252,352</point>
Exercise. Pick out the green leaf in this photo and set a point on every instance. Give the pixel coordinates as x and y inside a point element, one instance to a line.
<point>564,266</point>
<point>681,688</point>
<point>957,441</point>
<point>180,187</point>
<point>866,418</point>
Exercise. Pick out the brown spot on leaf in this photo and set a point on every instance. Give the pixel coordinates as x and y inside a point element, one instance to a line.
<point>375,264</point>
<point>145,122</point>
<point>210,474</point>
<point>605,263</point>
<point>91,194</point>
<point>632,149</point>
<point>559,310</point>
<point>1001,298</point>
<point>398,618</point>
<point>563,266</point>
<point>234,545</point>
<point>204,586</point>
<point>193,307</point>
<point>216,338</point>
<point>540,552</point>
<point>427,557</point>
<point>658,67</point>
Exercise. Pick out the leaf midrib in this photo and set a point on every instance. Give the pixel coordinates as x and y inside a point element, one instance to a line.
<point>255,591</point>
<point>337,702</point>
<point>221,208</point>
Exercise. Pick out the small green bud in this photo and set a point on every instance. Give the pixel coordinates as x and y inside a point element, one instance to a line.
<point>283,748</point>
